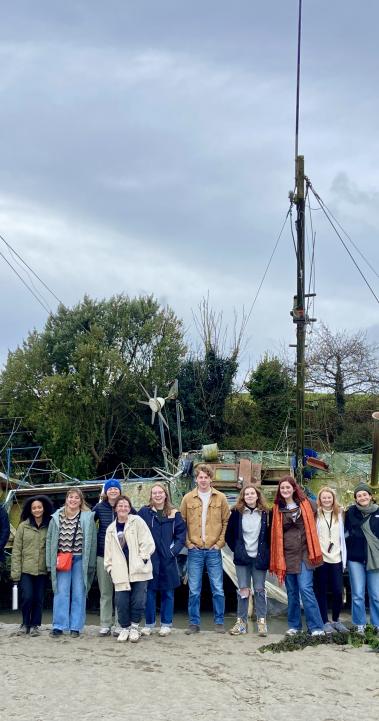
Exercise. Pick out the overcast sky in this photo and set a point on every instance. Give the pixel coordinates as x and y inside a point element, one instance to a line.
<point>147,146</point>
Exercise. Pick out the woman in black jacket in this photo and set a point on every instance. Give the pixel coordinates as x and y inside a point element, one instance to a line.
<point>362,544</point>
<point>168,529</point>
<point>247,536</point>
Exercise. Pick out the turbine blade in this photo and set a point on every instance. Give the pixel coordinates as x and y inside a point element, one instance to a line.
<point>144,390</point>
<point>163,420</point>
<point>152,416</point>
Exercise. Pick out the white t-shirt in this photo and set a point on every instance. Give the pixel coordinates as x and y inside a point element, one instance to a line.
<point>205,497</point>
<point>251,528</point>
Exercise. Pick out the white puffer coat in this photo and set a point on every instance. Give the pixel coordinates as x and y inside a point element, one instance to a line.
<point>141,546</point>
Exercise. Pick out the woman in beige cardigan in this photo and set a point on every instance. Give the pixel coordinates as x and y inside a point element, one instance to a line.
<point>128,548</point>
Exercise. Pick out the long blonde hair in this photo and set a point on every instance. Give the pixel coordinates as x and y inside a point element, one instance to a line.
<point>336,508</point>
<point>83,505</point>
<point>168,507</point>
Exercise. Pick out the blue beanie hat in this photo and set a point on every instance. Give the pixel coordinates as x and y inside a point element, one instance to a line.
<point>112,483</point>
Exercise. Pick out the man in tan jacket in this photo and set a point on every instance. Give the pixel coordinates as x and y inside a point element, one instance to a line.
<point>206,514</point>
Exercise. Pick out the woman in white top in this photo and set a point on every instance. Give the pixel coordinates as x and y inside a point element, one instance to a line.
<point>329,576</point>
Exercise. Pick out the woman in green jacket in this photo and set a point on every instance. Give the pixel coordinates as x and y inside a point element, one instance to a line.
<point>29,561</point>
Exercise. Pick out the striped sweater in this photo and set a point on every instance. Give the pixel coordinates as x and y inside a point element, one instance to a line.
<point>67,528</point>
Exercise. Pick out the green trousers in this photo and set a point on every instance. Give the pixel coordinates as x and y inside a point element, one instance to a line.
<point>106,595</point>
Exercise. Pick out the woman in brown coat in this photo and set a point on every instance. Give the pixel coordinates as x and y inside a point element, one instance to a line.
<point>295,552</point>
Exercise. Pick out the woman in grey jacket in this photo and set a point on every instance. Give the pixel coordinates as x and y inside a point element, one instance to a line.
<point>72,528</point>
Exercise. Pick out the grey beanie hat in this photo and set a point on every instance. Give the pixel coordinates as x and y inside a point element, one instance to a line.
<point>362,486</point>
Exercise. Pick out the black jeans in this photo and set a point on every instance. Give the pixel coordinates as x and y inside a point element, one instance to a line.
<point>131,604</point>
<point>328,577</point>
<point>32,590</point>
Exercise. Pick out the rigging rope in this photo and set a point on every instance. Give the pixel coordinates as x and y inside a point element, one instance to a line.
<point>266,269</point>
<point>323,208</point>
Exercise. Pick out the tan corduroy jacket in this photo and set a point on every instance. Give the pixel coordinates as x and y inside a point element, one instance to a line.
<point>141,546</point>
<point>217,519</point>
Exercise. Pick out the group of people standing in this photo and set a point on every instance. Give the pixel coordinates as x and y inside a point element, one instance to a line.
<point>306,544</point>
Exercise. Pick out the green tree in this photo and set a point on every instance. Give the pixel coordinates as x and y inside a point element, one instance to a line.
<point>204,386</point>
<point>272,388</point>
<point>77,382</point>
<point>206,379</point>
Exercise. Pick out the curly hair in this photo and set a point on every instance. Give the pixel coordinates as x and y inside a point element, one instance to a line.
<point>26,513</point>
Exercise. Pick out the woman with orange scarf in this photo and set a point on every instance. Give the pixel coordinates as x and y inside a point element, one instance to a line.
<point>295,552</point>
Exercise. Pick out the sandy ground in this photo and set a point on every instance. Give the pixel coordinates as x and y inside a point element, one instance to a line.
<point>206,677</point>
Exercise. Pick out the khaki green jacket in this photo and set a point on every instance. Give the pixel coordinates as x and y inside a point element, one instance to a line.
<point>29,551</point>
<point>216,523</point>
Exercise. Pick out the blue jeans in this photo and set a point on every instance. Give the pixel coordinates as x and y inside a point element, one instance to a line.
<point>246,575</point>
<point>211,559</point>
<point>359,576</point>
<point>69,607</point>
<point>301,584</point>
<point>167,607</point>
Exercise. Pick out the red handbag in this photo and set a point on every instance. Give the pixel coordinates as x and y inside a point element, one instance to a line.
<point>64,560</point>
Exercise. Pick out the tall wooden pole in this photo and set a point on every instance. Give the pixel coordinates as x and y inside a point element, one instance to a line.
<point>299,317</point>
<point>375,451</point>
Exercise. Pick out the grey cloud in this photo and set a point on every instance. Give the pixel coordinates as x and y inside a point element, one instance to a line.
<point>143,136</point>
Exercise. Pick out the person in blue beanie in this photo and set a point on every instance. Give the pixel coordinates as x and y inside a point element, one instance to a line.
<point>105,515</point>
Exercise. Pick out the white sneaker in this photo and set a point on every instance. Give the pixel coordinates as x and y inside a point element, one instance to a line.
<point>116,631</point>
<point>124,634</point>
<point>133,634</point>
<point>361,630</point>
<point>318,632</point>
<point>146,631</point>
<point>292,632</point>
<point>164,630</point>
<point>261,627</point>
<point>105,631</point>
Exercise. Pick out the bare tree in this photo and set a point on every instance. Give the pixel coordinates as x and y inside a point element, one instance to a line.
<point>342,363</point>
<point>215,334</point>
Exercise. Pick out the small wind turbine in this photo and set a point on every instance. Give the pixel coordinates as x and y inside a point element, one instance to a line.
<point>156,404</point>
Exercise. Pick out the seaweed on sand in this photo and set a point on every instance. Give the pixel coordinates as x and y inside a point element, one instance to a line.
<point>304,640</point>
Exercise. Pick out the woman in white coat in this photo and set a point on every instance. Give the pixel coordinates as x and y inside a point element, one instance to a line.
<point>128,548</point>
<point>329,576</point>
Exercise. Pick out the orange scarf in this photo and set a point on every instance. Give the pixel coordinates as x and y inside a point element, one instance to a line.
<point>277,559</point>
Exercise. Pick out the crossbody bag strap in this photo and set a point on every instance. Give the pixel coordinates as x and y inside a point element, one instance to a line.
<point>75,532</point>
